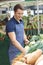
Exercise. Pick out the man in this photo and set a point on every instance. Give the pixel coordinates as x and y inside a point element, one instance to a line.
<point>15,31</point>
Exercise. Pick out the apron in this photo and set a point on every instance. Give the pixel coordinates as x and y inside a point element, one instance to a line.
<point>13,51</point>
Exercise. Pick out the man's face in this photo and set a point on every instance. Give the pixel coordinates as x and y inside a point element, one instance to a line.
<point>18,14</point>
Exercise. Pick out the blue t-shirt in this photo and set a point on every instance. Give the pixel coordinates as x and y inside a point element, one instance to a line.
<point>14,26</point>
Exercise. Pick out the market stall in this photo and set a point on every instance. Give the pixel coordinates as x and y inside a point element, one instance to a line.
<point>31,27</point>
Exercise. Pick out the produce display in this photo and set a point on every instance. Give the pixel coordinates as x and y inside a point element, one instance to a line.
<point>34,22</point>
<point>19,63</point>
<point>31,59</point>
<point>2,35</point>
<point>39,60</point>
<point>3,16</point>
<point>34,54</point>
<point>35,38</point>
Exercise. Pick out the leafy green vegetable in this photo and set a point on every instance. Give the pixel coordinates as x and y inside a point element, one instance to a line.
<point>35,38</point>
<point>37,45</point>
<point>1,35</point>
<point>33,48</point>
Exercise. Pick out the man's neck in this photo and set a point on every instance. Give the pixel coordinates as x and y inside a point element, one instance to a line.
<point>17,19</point>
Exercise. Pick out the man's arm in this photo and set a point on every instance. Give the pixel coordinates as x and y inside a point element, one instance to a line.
<point>12,37</point>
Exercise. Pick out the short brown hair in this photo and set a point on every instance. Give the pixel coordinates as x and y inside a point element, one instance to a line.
<point>18,6</point>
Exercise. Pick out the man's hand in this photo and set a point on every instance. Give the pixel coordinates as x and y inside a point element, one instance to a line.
<point>26,41</point>
<point>24,51</point>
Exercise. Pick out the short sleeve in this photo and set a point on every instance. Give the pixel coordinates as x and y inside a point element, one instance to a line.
<point>10,27</point>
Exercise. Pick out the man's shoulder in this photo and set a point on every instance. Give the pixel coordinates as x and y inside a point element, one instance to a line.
<point>11,21</point>
<point>10,25</point>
